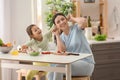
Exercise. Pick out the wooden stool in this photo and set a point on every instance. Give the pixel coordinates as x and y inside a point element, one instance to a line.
<point>23,72</point>
<point>80,78</point>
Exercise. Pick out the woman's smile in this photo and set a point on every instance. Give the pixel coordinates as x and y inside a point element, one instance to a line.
<point>63,24</point>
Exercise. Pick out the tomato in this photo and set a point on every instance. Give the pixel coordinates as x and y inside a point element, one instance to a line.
<point>46,52</point>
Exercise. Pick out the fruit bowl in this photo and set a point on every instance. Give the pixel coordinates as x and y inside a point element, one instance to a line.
<point>5,49</point>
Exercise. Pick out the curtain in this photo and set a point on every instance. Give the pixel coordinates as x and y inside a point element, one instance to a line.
<point>5,31</point>
<point>1,18</point>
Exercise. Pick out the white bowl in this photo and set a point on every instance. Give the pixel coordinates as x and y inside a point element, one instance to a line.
<point>5,49</point>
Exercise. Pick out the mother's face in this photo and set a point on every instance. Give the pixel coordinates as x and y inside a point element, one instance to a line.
<point>61,22</point>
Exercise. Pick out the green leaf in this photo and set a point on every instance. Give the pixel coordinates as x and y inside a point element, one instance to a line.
<point>1,42</point>
<point>59,5</point>
<point>101,37</point>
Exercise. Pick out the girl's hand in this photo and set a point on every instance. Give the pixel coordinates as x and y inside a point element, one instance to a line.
<point>24,49</point>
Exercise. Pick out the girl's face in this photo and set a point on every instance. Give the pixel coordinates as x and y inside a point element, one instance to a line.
<point>36,32</point>
<point>61,22</point>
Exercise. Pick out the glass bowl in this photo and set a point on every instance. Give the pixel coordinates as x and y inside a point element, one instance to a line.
<point>5,49</point>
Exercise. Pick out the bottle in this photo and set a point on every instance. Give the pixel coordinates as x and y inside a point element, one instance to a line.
<point>101,20</point>
<point>14,51</point>
<point>89,21</point>
<point>88,29</point>
<point>99,30</point>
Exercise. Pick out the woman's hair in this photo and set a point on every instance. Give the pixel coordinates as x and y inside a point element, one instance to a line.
<point>57,14</point>
<point>53,20</point>
<point>29,31</point>
<point>55,39</point>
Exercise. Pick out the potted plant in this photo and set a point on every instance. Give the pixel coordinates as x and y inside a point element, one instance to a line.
<point>65,7</point>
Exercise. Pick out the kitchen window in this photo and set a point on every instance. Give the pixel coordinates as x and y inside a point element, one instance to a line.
<point>37,12</point>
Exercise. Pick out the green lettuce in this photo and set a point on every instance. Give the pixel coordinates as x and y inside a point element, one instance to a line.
<point>100,37</point>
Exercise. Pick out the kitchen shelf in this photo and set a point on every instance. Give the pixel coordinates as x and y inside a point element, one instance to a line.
<point>77,7</point>
<point>103,9</point>
<point>101,3</point>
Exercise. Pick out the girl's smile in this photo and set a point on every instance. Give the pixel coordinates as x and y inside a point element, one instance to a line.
<point>36,33</point>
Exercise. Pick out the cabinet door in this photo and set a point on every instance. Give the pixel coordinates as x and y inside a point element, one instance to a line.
<point>107,72</point>
<point>107,58</point>
<point>106,53</point>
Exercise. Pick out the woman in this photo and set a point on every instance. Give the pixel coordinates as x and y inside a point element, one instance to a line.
<point>72,39</point>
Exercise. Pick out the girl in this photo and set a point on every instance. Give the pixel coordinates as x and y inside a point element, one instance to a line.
<point>37,41</point>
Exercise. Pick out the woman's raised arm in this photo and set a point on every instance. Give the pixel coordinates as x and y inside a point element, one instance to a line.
<point>82,22</point>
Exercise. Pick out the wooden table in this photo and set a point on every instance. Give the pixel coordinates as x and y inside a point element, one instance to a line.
<point>50,58</point>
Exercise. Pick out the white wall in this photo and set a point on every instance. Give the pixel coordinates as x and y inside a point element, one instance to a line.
<point>90,9</point>
<point>114,31</point>
<point>1,17</point>
<point>5,22</point>
<point>21,17</point>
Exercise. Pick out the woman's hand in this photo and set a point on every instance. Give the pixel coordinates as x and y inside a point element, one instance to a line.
<point>82,22</point>
<point>61,53</point>
<point>71,18</point>
<point>56,31</point>
<point>60,44</point>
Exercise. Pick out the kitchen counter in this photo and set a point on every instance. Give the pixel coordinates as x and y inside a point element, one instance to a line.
<point>101,42</point>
